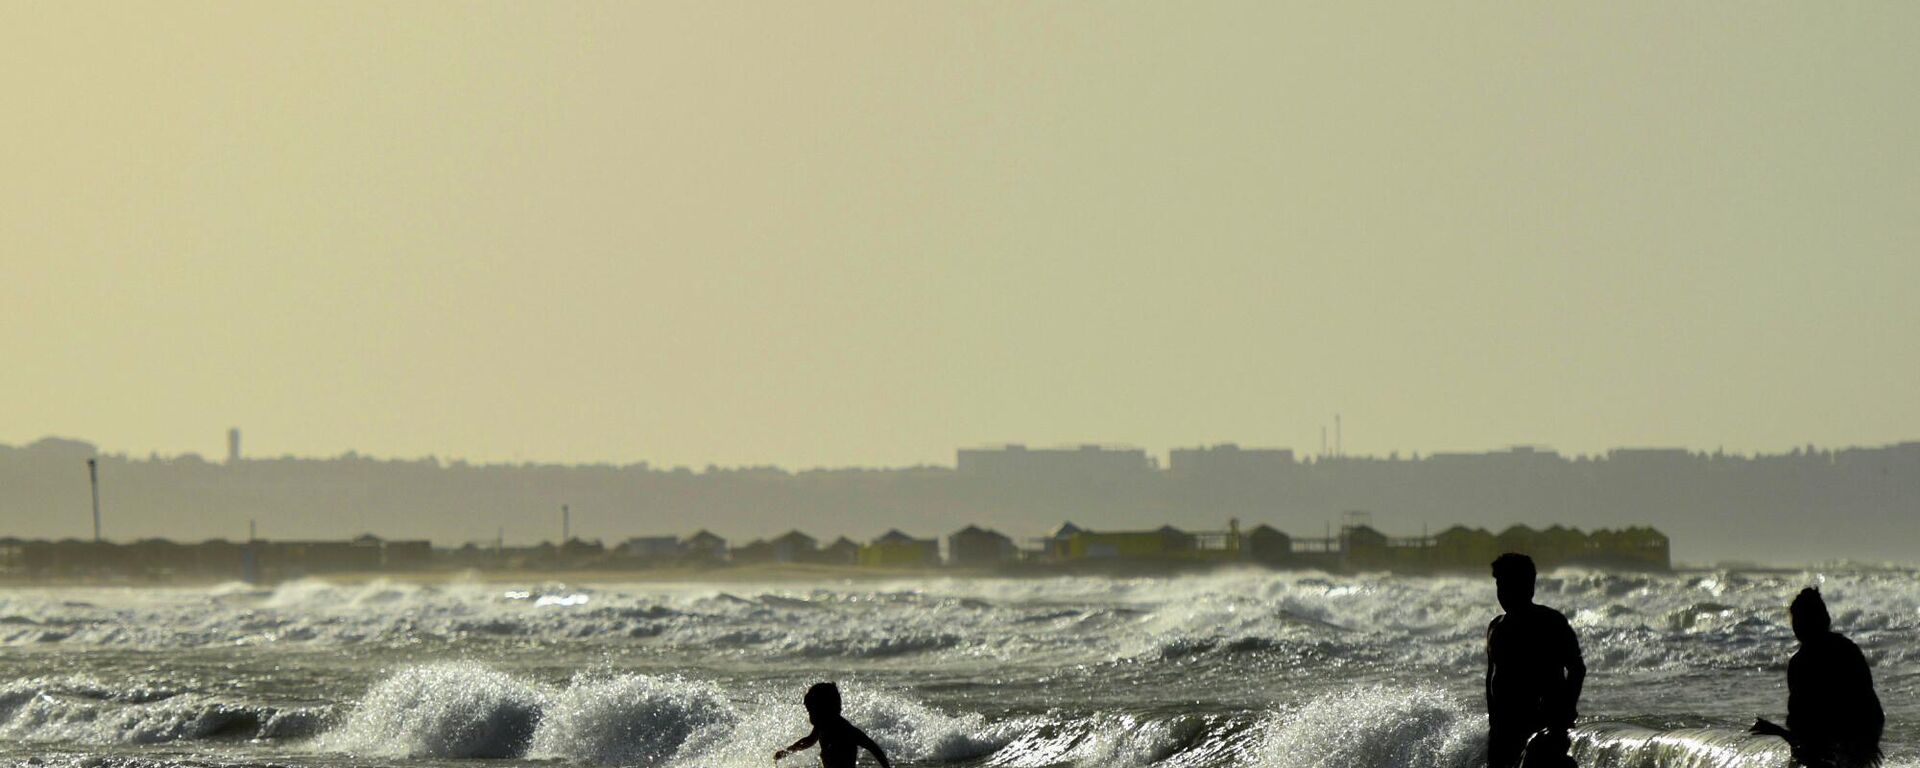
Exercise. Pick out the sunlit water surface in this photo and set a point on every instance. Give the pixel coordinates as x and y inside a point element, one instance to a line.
<point>1255,669</point>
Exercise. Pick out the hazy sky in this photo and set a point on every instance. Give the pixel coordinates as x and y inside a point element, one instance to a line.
<point>833,233</point>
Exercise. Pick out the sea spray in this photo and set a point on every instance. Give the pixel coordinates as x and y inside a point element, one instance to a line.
<point>1223,670</point>
<point>1375,726</point>
<point>457,709</point>
<point>1615,745</point>
<point>1110,740</point>
<point>84,710</point>
<point>461,709</point>
<point>1627,623</point>
<point>632,720</point>
<point>920,733</point>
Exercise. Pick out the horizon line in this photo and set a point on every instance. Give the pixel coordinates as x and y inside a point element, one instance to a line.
<point>1299,457</point>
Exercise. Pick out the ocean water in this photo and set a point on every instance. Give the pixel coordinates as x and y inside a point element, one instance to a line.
<point>1246,669</point>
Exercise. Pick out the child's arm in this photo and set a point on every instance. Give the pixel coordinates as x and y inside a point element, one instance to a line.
<point>1764,727</point>
<point>878,753</point>
<point>804,742</point>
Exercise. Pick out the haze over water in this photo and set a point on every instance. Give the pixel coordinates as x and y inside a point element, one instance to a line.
<point>861,234</point>
<point>846,234</point>
<point>1237,669</point>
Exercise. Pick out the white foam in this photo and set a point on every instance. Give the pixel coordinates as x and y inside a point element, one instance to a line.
<point>467,710</point>
<point>1613,745</point>
<point>1122,740</point>
<point>1377,726</point>
<point>1629,622</point>
<point>83,710</point>
<point>1667,630</point>
<point>632,720</point>
<point>920,733</point>
<point>458,709</point>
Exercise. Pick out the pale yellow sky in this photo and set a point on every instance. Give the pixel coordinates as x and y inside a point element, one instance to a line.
<point>834,233</point>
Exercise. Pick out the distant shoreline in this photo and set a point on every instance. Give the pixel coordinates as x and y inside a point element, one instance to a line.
<point>809,573</point>
<point>1801,505</point>
<point>730,575</point>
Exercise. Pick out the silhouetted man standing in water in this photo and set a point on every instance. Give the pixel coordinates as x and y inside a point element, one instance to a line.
<point>1534,670</point>
<point>1833,717</point>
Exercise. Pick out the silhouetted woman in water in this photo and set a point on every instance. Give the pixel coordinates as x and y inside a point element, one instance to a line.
<point>1833,717</point>
<point>840,742</point>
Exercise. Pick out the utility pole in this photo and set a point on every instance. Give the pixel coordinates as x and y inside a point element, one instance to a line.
<point>93,479</point>
<point>566,524</point>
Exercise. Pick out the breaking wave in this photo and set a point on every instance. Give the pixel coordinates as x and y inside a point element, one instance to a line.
<point>1378,726</point>
<point>444,710</point>
<point>1615,745</point>
<point>460,710</point>
<point>81,710</point>
<point>633,720</point>
<point>1227,670</point>
<point>1712,621</point>
<point>465,710</point>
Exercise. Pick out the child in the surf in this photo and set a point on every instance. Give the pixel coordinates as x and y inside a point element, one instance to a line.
<point>840,742</point>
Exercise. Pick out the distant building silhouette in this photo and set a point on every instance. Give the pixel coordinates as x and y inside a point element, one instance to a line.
<point>651,548</point>
<point>794,547</point>
<point>974,545</point>
<point>1365,549</point>
<point>1056,544</point>
<point>1358,547</point>
<point>1460,544</point>
<point>1520,539</point>
<point>577,549</point>
<point>1163,542</point>
<point>752,553</point>
<point>1804,505</point>
<point>1018,462</point>
<point>1228,460</point>
<point>1267,544</point>
<point>705,545</point>
<point>843,551</point>
<point>896,549</point>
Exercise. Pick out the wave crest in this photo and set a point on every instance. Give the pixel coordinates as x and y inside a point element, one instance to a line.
<point>1375,726</point>
<point>458,709</point>
<point>82,710</point>
<point>632,719</point>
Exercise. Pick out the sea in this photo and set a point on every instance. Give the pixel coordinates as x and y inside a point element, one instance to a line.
<point>1253,669</point>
